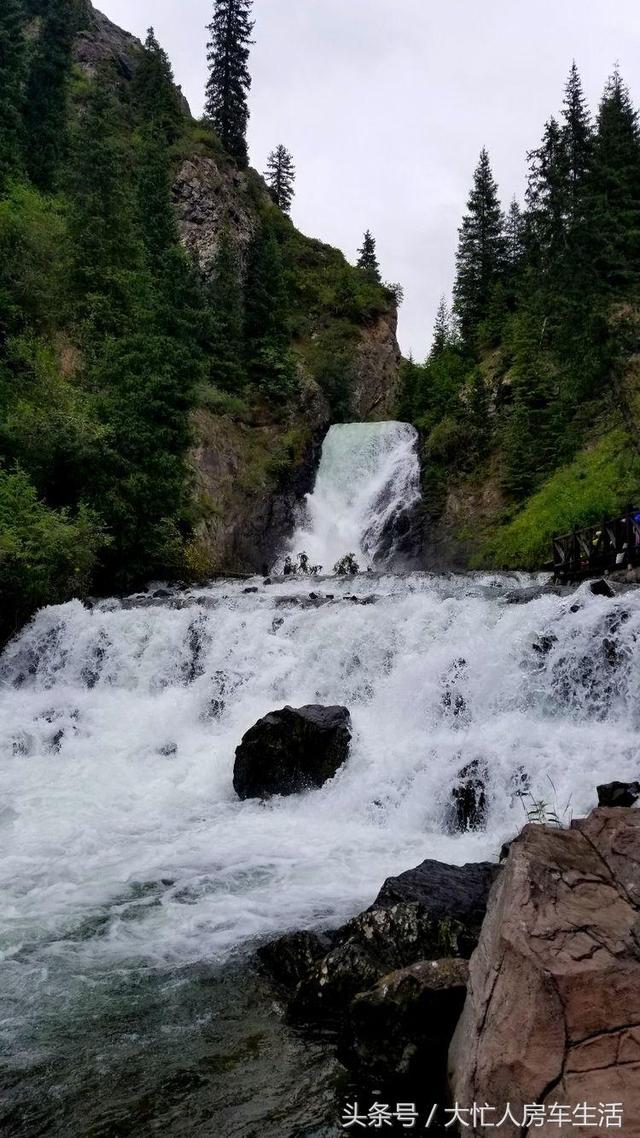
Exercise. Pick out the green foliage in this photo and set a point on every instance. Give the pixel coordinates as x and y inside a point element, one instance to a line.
<point>34,262</point>
<point>331,360</point>
<point>109,272</point>
<point>367,259</point>
<point>227,361</point>
<point>600,478</point>
<point>614,200</point>
<point>533,299</point>
<point>154,93</point>
<point>46,119</point>
<point>45,555</point>
<point>12,70</point>
<point>480,259</point>
<point>145,394</point>
<point>229,79</point>
<point>280,177</point>
<point>270,363</point>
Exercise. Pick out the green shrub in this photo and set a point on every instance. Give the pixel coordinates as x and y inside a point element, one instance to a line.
<point>46,556</point>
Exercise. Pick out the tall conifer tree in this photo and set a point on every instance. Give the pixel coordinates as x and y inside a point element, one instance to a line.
<point>229,78</point>
<point>614,219</point>
<point>441,329</point>
<point>546,197</point>
<point>480,258</point>
<point>12,65</point>
<point>514,236</point>
<point>577,135</point>
<point>280,176</point>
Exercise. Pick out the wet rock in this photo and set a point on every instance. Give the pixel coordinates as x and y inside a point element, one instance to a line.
<point>292,750</point>
<point>544,643</point>
<point>618,793</point>
<point>468,807</point>
<point>454,893</point>
<point>403,1025</point>
<point>291,957</point>
<point>524,596</point>
<point>372,944</point>
<point>301,602</point>
<point>601,588</point>
<point>453,700</point>
<point>553,1004</point>
<point>251,589</point>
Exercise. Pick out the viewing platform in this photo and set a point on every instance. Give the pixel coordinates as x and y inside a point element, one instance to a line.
<point>612,545</point>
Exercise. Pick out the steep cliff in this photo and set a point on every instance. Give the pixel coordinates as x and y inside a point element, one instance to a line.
<point>252,466</point>
<point>252,463</point>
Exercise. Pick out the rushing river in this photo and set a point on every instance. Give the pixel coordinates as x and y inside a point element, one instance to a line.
<point>134,884</point>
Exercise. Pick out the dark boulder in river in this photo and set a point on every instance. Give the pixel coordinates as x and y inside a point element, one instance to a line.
<point>292,750</point>
<point>618,794</point>
<point>457,893</point>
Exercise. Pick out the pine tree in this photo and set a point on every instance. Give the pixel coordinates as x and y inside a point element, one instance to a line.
<point>280,176</point>
<point>46,120</point>
<point>227,354</point>
<point>480,259</point>
<point>270,364</point>
<point>367,260</point>
<point>441,329</point>
<point>614,210</point>
<point>12,66</point>
<point>514,237</point>
<point>154,93</point>
<point>577,137</point>
<point>229,78</point>
<point>546,197</point>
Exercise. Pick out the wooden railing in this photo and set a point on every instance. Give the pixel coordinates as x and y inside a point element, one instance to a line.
<point>613,544</point>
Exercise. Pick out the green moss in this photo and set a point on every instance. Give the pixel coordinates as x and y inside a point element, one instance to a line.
<point>602,478</point>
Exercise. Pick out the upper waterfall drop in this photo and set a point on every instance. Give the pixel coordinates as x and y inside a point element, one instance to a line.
<point>366,490</point>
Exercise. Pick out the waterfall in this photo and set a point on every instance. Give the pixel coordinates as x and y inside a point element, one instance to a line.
<point>368,483</point>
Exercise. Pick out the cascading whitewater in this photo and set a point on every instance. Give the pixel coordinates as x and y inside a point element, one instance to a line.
<point>129,869</point>
<point>118,727</point>
<point>368,479</point>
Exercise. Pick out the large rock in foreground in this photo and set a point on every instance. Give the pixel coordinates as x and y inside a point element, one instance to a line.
<point>291,750</point>
<point>553,1007</point>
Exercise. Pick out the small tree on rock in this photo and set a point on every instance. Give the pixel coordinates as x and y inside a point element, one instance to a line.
<point>367,260</point>
<point>280,176</point>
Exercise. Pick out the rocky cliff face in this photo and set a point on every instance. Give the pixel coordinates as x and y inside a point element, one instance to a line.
<point>252,498</point>
<point>375,386</point>
<point>553,1006</point>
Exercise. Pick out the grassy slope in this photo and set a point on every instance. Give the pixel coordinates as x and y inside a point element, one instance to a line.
<point>603,476</point>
